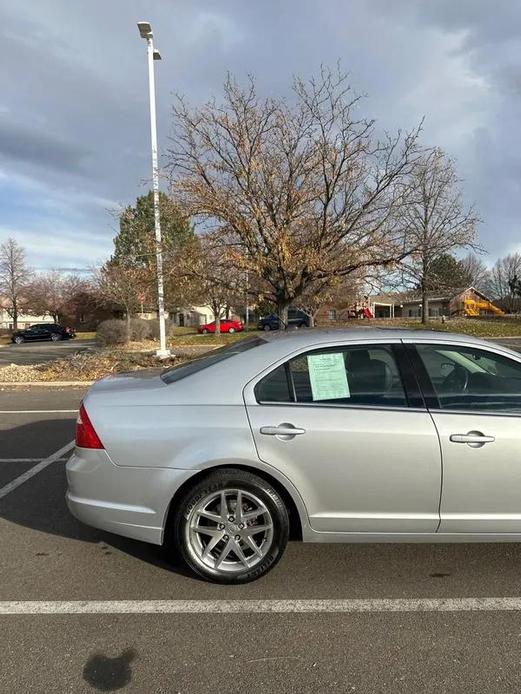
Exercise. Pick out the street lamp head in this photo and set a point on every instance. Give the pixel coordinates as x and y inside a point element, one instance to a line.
<point>156,54</point>
<point>145,30</point>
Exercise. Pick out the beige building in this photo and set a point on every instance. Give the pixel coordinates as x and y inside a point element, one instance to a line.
<point>24,320</point>
<point>190,316</point>
<point>194,316</point>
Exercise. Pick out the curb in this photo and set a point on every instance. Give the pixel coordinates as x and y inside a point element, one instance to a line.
<point>50,384</point>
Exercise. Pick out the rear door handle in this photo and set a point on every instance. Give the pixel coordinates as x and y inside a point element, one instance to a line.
<point>475,439</point>
<point>282,430</point>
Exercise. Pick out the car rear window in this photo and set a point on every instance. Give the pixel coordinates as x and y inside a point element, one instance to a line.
<point>176,373</point>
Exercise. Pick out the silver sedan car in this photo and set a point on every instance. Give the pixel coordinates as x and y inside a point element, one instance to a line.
<point>361,435</point>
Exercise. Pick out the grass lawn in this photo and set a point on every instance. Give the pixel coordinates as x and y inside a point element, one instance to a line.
<point>497,327</point>
<point>193,338</point>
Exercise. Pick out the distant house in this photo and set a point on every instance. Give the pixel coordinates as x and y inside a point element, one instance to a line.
<point>188,316</point>
<point>24,320</point>
<point>194,316</point>
<point>458,302</point>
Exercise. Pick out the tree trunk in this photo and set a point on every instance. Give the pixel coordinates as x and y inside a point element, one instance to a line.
<point>217,318</point>
<point>15,315</point>
<point>128,325</point>
<point>425,306</point>
<point>282,312</point>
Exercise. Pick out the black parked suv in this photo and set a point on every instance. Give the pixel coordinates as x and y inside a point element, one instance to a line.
<point>296,319</point>
<point>43,331</point>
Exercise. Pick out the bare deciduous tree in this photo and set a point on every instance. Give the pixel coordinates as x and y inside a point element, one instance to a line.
<point>437,221</point>
<point>14,277</point>
<point>53,293</point>
<point>119,285</point>
<point>340,294</point>
<point>478,274</point>
<point>304,192</point>
<point>505,274</point>
<point>212,278</point>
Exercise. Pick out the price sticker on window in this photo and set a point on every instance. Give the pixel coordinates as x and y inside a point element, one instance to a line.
<point>327,375</point>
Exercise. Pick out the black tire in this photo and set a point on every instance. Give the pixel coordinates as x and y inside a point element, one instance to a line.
<point>231,331</point>
<point>56,337</point>
<point>205,332</point>
<point>266,328</point>
<point>18,340</point>
<point>230,478</point>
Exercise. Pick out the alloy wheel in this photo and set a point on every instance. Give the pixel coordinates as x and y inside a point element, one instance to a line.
<point>229,530</point>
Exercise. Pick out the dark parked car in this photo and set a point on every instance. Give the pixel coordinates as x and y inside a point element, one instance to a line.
<point>43,331</point>
<point>296,319</point>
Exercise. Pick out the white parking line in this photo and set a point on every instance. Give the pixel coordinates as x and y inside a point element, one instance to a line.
<point>38,411</point>
<point>20,607</point>
<point>14,484</point>
<point>26,460</point>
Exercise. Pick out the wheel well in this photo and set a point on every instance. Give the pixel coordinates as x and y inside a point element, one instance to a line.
<point>295,526</point>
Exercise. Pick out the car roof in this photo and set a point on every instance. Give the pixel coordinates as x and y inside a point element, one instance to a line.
<point>314,335</point>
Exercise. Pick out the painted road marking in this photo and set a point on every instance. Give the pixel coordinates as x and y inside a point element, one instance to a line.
<point>26,460</point>
<point>20,607</point>
<point>39,411</point>
<point>4,491</point>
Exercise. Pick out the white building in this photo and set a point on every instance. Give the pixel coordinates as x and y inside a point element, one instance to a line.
<point>194,316</point>
<point>24,320</point>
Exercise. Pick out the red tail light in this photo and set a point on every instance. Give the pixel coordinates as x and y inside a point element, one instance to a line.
<point>86,436</point>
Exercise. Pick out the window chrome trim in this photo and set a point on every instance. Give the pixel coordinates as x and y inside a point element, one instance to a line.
<point>473,413</point>
<point>330,405</point>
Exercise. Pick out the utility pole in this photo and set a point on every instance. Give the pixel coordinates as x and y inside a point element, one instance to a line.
<point>145,31</point>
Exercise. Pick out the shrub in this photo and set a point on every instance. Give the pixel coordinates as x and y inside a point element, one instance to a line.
<point>154,327</point>
<point>112,332</point>
<point>140,329</point>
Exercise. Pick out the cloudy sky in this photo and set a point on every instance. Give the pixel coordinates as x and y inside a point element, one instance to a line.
<point>74,138</point>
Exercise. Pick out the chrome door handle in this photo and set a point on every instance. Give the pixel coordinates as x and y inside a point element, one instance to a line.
<point>282,430</point>
<point>475,439</point>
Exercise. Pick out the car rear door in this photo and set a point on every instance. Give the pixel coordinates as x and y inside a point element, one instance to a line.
<point>474,396</point>
<point>346,425</point>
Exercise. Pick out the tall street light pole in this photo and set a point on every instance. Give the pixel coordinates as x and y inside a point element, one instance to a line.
<point>145,31</point>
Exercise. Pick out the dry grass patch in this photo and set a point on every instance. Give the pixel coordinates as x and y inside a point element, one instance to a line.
<point>86,366</point>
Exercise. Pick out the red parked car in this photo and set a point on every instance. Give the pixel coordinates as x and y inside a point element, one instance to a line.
<point>227,326</point>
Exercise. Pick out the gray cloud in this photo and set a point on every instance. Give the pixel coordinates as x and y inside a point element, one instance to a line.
<point>73,93</point>
<point>21,143</point>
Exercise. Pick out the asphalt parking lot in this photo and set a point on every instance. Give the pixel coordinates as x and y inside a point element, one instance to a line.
<point>38,352</point>
<point>379,644</point>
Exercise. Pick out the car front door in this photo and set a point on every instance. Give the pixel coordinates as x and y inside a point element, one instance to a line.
<point>32,333</point>
<point>346,426</point>
<point>474,397</point>
<point>43,333</point>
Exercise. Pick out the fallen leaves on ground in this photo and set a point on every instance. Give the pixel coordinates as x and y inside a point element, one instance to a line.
<point>86,366</point>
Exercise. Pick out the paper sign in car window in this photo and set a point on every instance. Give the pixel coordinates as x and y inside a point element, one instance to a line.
<point>327,375</point>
